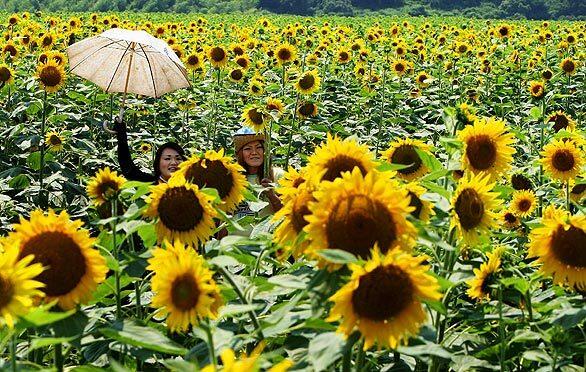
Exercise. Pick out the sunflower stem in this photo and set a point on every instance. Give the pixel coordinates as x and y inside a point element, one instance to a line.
<point>59,357</point>
<point>349,347</point>
<point>13,360</point>
<point>360,356</point>
<point>244,300</point>
<point>501,328</point>
<point>382,108</point>
<point>290,139</point>
<point>115,248</point>
<point>211,348</point>
<point>42,203</point>
<point>568,204</point>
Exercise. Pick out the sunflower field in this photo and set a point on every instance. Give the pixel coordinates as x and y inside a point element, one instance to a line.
<point>432,219</point>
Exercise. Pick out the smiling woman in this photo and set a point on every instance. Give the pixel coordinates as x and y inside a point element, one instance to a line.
<point>167,159</point>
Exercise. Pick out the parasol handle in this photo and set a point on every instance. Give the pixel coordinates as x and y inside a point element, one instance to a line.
<point>121,114</point>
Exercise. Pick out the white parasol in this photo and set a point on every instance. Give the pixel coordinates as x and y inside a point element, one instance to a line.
<point>127,61</point>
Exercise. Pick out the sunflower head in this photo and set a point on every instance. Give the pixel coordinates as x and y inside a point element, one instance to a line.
<point>285,54</point>
<point>400,67</point>
<point>488,147</point>
<point>485,276</point>
<point>563,160</point>
<point>217,56</point>
<point>558,245</point>
<point>537,89</point>
<point>406,152</point>
<point>104,186</point>
<point>474,206</point>
<point>51,76</point>
<point>183,211</point>
<point>217,171</point>
<point>193,61</point>
<point>308,82</point>
<point>54,141</point>
<point>354,212</point>
<point>145,147</point>
<point>255,118</point>
<point>509,220</point>
<point>523,203</point>
<point>6,75</point>
<point>275,105</point>
<point>382,299</point>
<point>18,287</point>
<point>336,156</point>
<point>307,109</point>
<point>568,66</point>
<point>184,290</point>
<point>73,267</point>
<point>560,120</point>
<point>422,209</point>
<point>521,182</point>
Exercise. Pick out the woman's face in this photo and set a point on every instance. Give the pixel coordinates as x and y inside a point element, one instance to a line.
<point>170,160</point>
<point>253,154</point>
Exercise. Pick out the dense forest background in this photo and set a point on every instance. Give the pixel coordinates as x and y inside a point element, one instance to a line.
<point>530,9</point>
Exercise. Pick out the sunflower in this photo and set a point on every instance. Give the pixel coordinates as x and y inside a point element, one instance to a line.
<point>243,363</point>
<point>256,88</point>
<point>474,207</point>
<point>17,285</point>
<point>336,156</point>
<point>508,219</point>
<point>563,160</point>
<point>217,56</point>
<point>422,79</point>
<point>523,203</point>
<point>354,212</point>
<point>559,247</point>
<point>487,147</point>
<point>503,31</point>
<point>308,82</point>
<point>255,118</point>
<point>145,147</point>
<point>215,170</point>
<point>74,268</point>
<point>236,75</point>
<point>11,50</point>
<point>6,75</point>
<point>51,76</point>
<point>344,55</point>
<point>285,53</point>
<point>293,219</point>
<point>307,109</point>
<point>561,121</point>
<point>521,182</point>
<point>104,186</point>
<point>537,89</point>
<point>400,67</point>
<point>290,182</point>
<point>47,41</point>
<point>383,299</point>
<point>183,211</point>
<point>568,66</point>
<point>243,62</point>
<point>58,57</point>
<point>275,105</point>
<point>184,290</point>
<point>578,192</point>
<point>54,141</point>
<point>193,61</point>
<point>405,152</point>
<point>485,276</point>
<point>423,209</point>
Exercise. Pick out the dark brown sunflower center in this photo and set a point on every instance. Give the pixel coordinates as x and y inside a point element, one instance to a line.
<point>344,56</point>
<point>184,292</point>
<point>406,155</point>
<point>307,109</point>
<point>298,181</point>
<point>284,54</point>
<point>563,160</point>
<point>341,163</point>
<point>193,60</point>
<point>55,140</point>
<point>504,31</point>
<point>307,81</point>
<point>383,293</point>
<point>255,116</point>
<point>47,41</point>
<point>417,203</point>
<point>5,74</point>
<point>10,49</point>
<point>568,66</point>
<point>218,54</point>
<point>236,74</point>
<point>300,210</point>
<point>520,182</point>
<point>487,282</point>
<point>536,89</point>
<point>578,189</point>
<point>568,246</point>
<point>214,175</point>
<point>179,209</point>
<point>524,205</point>
<point>63,259</point>
<point>242,62</point>
<point>356,223</point>
<point>560,122</point>
<point>510,218</point>
<point>105,189</point>
<point>481,152</point>
<point>6,291</point>
<point>50,76</point>
<point>469,208</point>
<point>255,88</point>
<point>399,67</point>
<point>547,74</point>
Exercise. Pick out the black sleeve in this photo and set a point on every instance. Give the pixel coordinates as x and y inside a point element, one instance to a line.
<point>129,169</point>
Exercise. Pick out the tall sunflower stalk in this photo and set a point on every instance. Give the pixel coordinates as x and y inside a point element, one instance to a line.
<point>382,110</point>
<point>42,203</point>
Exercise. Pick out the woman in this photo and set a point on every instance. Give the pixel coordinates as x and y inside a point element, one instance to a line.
<point>167,158</point>
<point>249,148</point>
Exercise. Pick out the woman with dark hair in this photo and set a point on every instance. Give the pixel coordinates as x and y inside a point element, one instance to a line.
<point>249,148</point>
<point>167,158</point>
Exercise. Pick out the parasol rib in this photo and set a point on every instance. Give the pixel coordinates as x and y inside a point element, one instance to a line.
<point>91,54</point>
<point>128,73</point>
<point>150,69</point>
<point>117,67</point>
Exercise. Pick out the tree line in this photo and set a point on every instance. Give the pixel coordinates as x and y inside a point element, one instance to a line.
<point>530,9</point>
